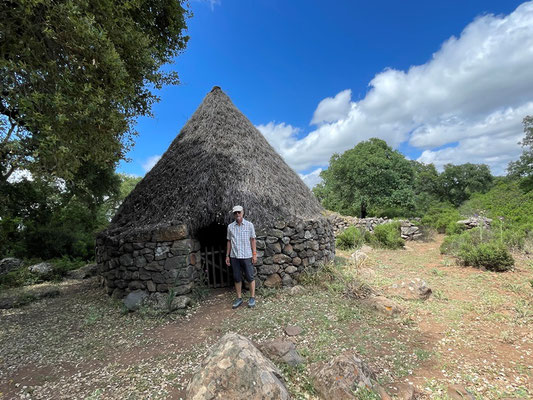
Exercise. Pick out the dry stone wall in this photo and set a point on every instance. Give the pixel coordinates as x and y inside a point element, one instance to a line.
<point>170,258</point>
<point>153,262</point>
<point>409,230</point>
<point>289,248</point>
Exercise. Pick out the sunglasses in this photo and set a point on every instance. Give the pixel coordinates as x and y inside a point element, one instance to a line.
<point>237,212</point>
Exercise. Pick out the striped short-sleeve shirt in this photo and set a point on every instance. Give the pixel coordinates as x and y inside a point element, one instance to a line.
<point>240,236</point>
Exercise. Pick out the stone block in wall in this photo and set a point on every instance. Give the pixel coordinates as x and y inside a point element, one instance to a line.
<point>287,249</point>
<point>184,245</point>
<point>135,285</point>
<point>150,245</point>
<point>296,261</point>
<point>153,266</point>
<point>145,275</point>
<point>275,247</point>
<point>260,244</point>
<point>267,260</point>
<point>149,257</point>
<point>161,252</point>
<point>277,233</point>
<point>150,286</point>
<point>162,287</point>
<point>171,233</point>
<point>176,262</point>
<point>158,277</point>
<point>127,248</point>
<point>287,280</point>
<point>268,269</point>
<point>183,289</point>
<point>281,259</point>
<point>279,224</point>
<point>126,260</point>
<point>140,261</point>
<point>289,231</point>
<point>291,269</point>
<point>271,239</point>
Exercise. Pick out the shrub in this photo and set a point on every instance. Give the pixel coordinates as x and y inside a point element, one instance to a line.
<point>440,217</point>
<point>352,237</point>
<point>388,236</point>
<point>492,256</point>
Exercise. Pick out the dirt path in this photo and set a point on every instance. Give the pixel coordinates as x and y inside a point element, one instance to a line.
<point>475,332</point>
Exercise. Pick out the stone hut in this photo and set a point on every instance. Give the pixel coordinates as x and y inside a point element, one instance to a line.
<point>170,232</point>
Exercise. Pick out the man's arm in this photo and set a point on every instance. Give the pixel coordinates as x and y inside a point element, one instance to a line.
<point>254,251</point>
<point>228,252</point>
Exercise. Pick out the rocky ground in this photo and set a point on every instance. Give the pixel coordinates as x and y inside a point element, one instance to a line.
<point>472,335</point>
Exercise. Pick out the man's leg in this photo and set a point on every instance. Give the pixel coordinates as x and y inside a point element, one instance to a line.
<point>237,277</point>
<point>238,289</point>
<point>252,289</point>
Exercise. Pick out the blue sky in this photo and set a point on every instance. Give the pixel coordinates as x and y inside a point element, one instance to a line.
<point>442,82</point>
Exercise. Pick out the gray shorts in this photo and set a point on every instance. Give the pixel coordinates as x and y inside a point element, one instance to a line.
<point>240,265</point>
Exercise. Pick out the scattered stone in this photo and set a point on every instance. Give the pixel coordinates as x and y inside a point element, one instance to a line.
<point>41,268</point>
<point>84,272</point>
<point>342,376</point>
<point>236,369</point>
<point>414,289</point>
<point>384,305</point>
<point>9,264</point>
<point>293,330</point>
<point>135,299</point>
<point>402,391</point>
<point>282,350</point>
<point>359,257</point>
<point>458,392</point>
<point>296,290</point>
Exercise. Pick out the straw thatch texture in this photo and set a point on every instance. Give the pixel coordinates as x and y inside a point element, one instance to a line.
<point>219,159</point>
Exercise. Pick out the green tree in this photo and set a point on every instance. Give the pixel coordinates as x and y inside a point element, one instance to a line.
<point>74,76</point>
<point>370,178</point>
<point>523,168</point>
<point>458,182</point>
<point>425,186</point>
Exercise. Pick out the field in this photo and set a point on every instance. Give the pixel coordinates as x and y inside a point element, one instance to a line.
<point>474,332</point>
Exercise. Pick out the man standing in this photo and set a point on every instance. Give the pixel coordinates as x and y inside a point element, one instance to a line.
<point>241,254</point>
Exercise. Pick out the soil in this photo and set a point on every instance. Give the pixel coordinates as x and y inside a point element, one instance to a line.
<point>475,331</point>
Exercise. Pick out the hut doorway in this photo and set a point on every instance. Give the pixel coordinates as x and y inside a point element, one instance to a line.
<point>212,240</point>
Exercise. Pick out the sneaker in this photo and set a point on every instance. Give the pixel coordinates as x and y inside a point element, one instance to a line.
<point>251,302</point>
<point>236,303</point>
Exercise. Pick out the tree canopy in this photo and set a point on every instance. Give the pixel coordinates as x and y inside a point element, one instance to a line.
<point>75,75</point>
<point>369,177</point>
<point>523,167</point>
<point>458,182</point>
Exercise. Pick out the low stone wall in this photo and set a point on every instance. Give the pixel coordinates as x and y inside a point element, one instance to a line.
<point>409,230</point>
<point>154,262</point>
<point>290,248</point>
<point>474,222</point>
<point>169,258</point>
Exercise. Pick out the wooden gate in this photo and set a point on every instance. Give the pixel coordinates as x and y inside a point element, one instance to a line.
<point>218,274</point>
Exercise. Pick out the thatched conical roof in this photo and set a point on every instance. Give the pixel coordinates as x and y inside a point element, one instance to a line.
<point>218,160</point>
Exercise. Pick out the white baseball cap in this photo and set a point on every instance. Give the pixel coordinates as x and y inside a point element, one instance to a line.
<point>237,208</point>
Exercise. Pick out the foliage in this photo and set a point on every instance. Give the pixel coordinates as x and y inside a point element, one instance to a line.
<point>479,249</point>
<point>367,178</point>
<point>522,169</point>
<point>388,236</point>
<point>351,238</point>
<point>493,256</point>
<point>458,182</point>
<point>80,70</point>
<point>425,186</point>
<point>440,216</point>
<point>47,218</point>
<point>505,199</point>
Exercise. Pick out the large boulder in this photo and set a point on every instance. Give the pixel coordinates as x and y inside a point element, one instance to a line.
<point>236,370</point>
<point>383,305</point>
<point>411,289</point>
<point>87,271</point>
<point>342,376</point>
<point>41,268</point>
<point>9,264</point>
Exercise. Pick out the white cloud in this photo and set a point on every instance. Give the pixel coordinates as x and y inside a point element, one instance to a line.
<point>150,162</point>
<point>475,91</point>
<point>333,108</point>
<point>313,178</point>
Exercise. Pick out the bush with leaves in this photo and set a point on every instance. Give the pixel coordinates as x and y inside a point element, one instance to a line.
<point>440,216</point>
<point>351,238</point>
<point>388,236</point>
<point>493,256</point>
